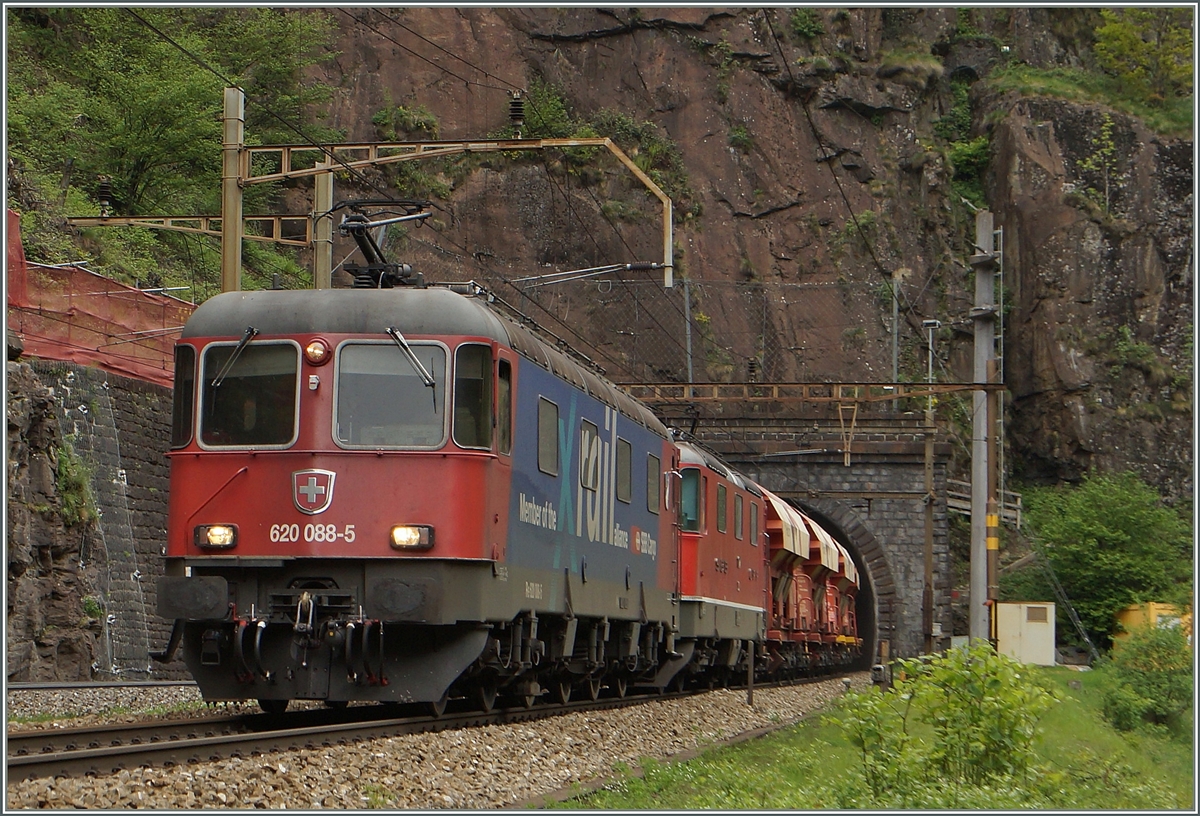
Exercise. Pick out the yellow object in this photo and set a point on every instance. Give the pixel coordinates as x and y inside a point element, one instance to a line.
<point>1152,614</point>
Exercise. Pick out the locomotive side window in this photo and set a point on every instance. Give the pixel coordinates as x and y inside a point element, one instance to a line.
<point>547,436</point>
<point>254,403</point>
<point>381,400</point>
<point>624,471</point>
<point>737,517</point>
<point>753,524</point>
<point>184,396</point>
<point>692,501</point>
<point>504,398</point>
<point>473,396</point>
<point>589,456</point>
<point>721,500</point>
<point>653,472</point>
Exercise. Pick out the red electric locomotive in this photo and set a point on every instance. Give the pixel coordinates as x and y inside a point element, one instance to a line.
<point>394,493</point>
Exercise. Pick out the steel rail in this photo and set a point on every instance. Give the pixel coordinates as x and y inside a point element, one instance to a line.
<point>259,733</point>
<point>97,684</point>
<point>80,751</point>
<point>61,740</point>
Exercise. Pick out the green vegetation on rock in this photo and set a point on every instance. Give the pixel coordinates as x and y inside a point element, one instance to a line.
<point>102,93</point>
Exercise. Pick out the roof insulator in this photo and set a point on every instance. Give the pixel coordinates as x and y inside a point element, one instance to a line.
<point>516,109</point>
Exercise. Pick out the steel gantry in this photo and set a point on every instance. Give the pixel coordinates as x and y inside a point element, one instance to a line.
<point>243,165</point>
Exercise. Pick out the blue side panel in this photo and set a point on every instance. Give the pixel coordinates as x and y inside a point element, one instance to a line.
<point>554,523</point>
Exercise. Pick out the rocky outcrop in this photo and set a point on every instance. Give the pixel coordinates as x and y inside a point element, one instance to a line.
<point>52,622</point>
<point>1097,216</point>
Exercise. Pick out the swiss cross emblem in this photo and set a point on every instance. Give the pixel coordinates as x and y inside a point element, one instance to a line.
<point>312,490</point>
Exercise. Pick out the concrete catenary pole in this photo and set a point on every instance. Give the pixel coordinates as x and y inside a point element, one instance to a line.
<point>323,229</point>
<point>232,146</point>
<point>983,262</point>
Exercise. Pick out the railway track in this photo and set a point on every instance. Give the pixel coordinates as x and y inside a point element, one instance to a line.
<point>109,749</point>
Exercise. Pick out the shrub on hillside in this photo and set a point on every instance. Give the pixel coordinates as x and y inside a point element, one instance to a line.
<point>983,710</point>
<point>1153,667</point>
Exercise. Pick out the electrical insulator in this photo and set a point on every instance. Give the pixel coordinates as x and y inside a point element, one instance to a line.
<point>516,109</point>
<point>104,193</point>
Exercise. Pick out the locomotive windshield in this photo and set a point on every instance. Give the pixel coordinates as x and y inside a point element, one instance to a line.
<point>255,403</point>
<point>382,401</point>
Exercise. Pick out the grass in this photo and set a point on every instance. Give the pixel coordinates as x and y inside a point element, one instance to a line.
<point>794,768</point>
<point>1173,117</point>
<point>1078,725</point>
<point>113,711</point>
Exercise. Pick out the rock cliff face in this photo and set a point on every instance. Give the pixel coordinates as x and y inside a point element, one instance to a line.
<point>1100,335</point>
<point>52,624</point>
<point>813,178</point>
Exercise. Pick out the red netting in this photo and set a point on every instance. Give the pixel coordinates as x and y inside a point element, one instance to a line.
<point>68,313</point>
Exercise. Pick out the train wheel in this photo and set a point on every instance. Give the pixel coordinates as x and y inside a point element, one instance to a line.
<point>273,706</point>
<point>620,686</point>
<point>592,687</point>
<point>561,691</point>
<point>438,707</point>
<point>485,697</point>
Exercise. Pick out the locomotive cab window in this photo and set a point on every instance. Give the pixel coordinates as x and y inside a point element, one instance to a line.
<point>182,405</point>
<point>721,500</point>
<point>253,401</point>
<point>473,397</point>
<point>737,517</point>
<point>753,524</point>
<point>547,436</point>
<point>382,401</point>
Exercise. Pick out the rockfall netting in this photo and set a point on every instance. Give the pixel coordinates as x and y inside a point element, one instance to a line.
<point>69,313</point>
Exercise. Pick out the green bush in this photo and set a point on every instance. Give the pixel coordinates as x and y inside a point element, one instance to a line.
<point>1153,666</point>
<point>1111,543</point>
<point>1170,117</point>
<point>1149,50</point>
<point>969,161</point>
<point>1125,708</point>
<point>73,478</point>
<point>807,23</point>
<point>981,711</point>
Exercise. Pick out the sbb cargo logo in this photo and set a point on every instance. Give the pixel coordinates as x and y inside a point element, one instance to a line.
<point>312,490</point>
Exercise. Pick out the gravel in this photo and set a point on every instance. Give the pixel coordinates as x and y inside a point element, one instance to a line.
<point>478,768</point>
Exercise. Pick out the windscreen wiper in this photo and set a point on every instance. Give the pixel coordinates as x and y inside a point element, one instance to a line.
<point>425,376</point>
<point>250,334</point>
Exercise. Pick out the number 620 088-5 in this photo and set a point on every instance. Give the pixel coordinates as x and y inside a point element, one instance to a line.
<point>287,533</point>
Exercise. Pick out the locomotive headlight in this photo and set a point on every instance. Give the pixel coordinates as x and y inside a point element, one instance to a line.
<point>216,535</point>
<point>412,537</point>
<point>317,351</point>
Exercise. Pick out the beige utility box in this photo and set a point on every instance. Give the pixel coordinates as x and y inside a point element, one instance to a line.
<point>1025,631</point>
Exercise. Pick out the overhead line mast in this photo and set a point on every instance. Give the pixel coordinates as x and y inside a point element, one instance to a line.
<point>237,172</point>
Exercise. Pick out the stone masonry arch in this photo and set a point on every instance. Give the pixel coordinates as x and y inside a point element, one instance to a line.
<point>875,507</point>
